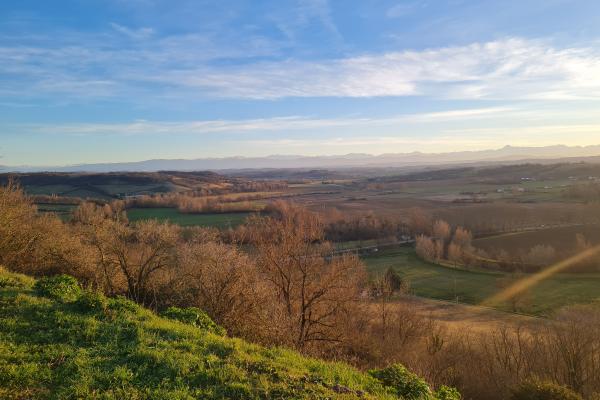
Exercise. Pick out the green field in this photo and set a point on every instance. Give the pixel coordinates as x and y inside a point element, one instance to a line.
<point>434,281</point>
<point>221,220</point>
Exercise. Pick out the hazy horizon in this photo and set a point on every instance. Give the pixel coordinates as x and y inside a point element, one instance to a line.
<point>505,154</point>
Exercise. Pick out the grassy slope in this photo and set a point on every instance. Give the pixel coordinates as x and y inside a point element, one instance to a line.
<point>434,281</point>
<point>53,350</point>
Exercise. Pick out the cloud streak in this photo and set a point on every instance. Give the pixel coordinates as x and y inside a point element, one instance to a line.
<point>506,69</point>
<point>137,34</point>
<point>191,65</point>
<point>277,124</point>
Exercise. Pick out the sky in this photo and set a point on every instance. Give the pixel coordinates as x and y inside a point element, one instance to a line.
<point>91,81</point>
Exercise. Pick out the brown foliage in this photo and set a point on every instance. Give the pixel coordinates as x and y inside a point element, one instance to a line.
<point>463,238</point>
<point>34,243</point>
<point>128,257</point>
<point>290,289</point>
<point>224,282</point>
<point>441,231</point>
<point>419,222</point>
<point>361,227</point>
<point>312,290</point>
<point>540,255</point>
<point>425,247</point>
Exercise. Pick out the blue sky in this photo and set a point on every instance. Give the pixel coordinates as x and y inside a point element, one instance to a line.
<point>125,80</point>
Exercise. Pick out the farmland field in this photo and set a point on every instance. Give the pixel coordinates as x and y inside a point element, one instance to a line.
<point>473,287</point>
<point>223,220</point>
<point>63,211</point>
<point>561,238</point>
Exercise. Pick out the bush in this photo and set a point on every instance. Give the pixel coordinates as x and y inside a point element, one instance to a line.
<point>194,316</point>
<point>92,302</point>
<point>64,288</point>
<point>536,390</point>
<point>447,393</point>
<point>14,280</point>
<point>122,304</point>
<point>406,384</point>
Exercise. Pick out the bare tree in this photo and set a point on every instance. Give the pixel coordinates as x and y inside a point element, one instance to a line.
<point>129,256</point>
<point>224,282</point>
<point>383,289</point>
<point>441,231</point>
<point>18,233</point>
<point>455,253</point>
<point>581,243</point>
<point>34,243</point>
<point>312,289</point>
<point>419,222</point>
<point>541,255</point>
<point>463,238</point>
<point>425,247</point>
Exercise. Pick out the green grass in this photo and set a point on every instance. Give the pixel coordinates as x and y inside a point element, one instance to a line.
<point>221,220</point>
<point>98,348</point>
<point>473,287</point>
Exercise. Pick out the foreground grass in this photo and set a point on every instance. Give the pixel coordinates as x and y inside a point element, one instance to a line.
<point>164,214</point>
<point>473,287</point>
<point>98,348</point>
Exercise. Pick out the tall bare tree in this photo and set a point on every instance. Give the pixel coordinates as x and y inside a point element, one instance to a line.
<point>312,288</point>
<point>129,256</point>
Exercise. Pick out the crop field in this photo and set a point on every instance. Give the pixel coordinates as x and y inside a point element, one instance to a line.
<point>96,191</point>
<point>473,287</point>
<point>460,317</point>
<point>217,220</point>
<point>562,239</point>
<point>63,211</point>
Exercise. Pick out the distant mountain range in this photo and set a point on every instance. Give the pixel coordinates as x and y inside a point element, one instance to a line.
<point>504,154</point>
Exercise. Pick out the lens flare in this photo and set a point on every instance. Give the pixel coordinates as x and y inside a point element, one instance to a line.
<point>532,280</point>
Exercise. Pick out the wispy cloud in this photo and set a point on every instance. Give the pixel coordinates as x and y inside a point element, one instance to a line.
<point>506,69</point>
<point>141,33</point>
<point>304,13</point>
<point>277,124</point>
<point>403,9</point>
<point>192,65</point>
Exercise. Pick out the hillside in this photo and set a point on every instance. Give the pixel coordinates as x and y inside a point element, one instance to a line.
<point>58,341</point>
<point>117,184</point>
<point>503,174</point>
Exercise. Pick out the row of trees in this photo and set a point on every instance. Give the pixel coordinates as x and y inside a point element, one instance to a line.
<point>542,255</point>
<point>444,244</point>
<point>437,241</point>
<point>367,226</point>
<point>189,203</point>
